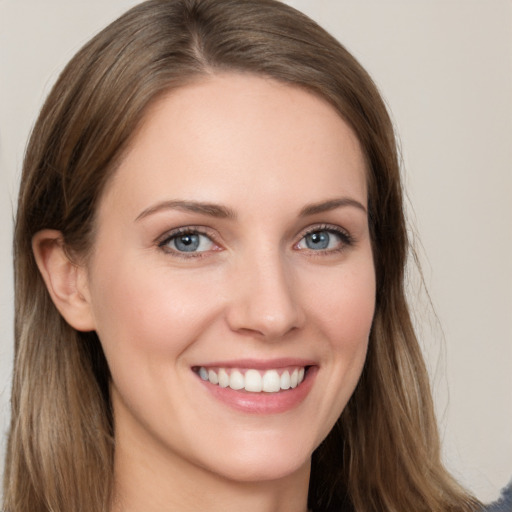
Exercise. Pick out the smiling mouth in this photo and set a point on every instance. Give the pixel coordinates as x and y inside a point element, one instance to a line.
<point>252,380</point>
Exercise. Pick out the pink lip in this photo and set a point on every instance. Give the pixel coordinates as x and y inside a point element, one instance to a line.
<point>260,364</point>
<point>262,403</point>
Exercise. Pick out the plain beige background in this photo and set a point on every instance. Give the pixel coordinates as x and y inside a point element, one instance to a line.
<point>445,69</point>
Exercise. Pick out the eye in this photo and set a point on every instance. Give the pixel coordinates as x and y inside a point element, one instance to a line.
<point>187,242</point>
<point>324,239</point>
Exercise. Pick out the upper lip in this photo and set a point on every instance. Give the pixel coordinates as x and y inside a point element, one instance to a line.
<point>260,364</point>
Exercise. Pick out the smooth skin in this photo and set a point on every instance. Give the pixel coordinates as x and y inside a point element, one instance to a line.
<point>266,185</point>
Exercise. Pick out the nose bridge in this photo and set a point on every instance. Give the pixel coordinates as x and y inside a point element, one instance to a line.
<point>265,299</point>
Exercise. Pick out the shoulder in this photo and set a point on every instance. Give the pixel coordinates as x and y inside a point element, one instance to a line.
<point>504,504</point>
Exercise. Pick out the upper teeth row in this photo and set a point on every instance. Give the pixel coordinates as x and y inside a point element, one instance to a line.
<point>252,380</point>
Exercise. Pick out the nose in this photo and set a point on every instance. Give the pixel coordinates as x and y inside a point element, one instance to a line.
<point>265,299</point>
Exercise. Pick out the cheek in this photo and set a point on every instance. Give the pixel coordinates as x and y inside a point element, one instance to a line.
<point>146,325</point>
<point>152,311</point>
<point>344,307</point>
<point>342,313</point>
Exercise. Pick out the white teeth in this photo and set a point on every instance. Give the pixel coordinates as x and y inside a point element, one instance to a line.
<point>223,378</point>
<point>254,381</point>
<point>271,381</point>
<point>212,377</point>
<point>285,380</point>
<point>236,380</point>
<point>294,378</point>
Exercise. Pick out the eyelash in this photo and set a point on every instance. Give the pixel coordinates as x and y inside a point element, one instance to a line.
<point>346,240</point>
<point>188,230</point>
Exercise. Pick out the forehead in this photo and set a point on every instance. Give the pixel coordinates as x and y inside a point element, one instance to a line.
<point>238,135</point>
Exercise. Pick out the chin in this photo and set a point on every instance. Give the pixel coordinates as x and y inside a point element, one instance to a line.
<point>262,470</point>
<point>261,460</point>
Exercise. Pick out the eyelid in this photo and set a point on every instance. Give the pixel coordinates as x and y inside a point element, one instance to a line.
<point>346,238</point>
<point>162,240</point>
<point>324,227</point>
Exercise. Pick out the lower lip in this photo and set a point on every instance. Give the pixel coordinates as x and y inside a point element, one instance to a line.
<point>263,403</point>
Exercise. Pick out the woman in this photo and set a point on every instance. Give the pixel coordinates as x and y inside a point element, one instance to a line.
<point>210,248</point>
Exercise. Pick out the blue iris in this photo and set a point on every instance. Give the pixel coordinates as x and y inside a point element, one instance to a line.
<point>187,243</point>
<point>319,240</point>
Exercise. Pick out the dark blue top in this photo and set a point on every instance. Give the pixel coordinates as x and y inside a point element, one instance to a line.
<point>504,504</point>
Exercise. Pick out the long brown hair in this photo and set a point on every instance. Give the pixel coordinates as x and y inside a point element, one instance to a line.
<point>384,451</point>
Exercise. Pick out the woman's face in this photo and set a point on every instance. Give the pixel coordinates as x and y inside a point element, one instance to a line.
<point>233,251</point>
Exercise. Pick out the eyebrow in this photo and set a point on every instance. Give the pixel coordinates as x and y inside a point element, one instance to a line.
<point>331,204</point>
<point>223,212</point>
<point>210,209</point>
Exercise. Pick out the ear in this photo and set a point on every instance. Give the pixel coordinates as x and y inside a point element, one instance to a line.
<point>66,280</point>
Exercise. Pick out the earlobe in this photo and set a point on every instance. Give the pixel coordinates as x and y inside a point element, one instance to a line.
<point>65,280</point>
